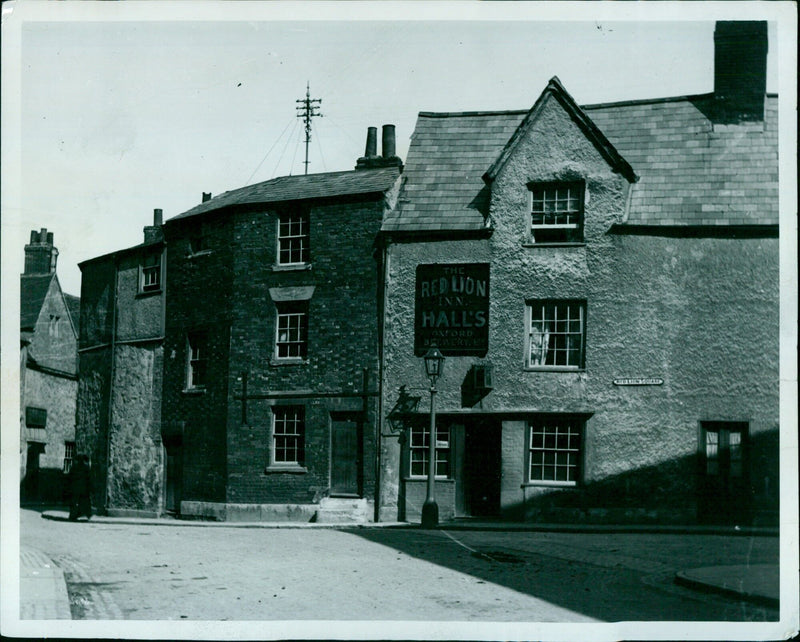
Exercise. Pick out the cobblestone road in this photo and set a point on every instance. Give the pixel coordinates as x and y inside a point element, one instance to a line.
<point>143,572</point>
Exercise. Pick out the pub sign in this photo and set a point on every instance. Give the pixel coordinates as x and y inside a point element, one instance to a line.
<point>451,309</point>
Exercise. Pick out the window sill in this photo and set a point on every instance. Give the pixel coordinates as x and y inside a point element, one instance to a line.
<point>194,255</point>
<point>292,469</point>
<point>550,484</point>
<point>560,244</point>
<point>141,294</point>
<point>199,390</point>
<point>292,267</point>
<point>449,480</point>
<point>274,362</point>
<point>553,369</point>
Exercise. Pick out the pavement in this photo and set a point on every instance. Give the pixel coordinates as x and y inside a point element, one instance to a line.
<point>43,590</point>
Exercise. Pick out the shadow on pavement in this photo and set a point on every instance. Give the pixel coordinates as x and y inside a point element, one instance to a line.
<point>604,592</point>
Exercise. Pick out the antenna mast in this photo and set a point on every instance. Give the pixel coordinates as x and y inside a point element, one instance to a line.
<point>307,109</point>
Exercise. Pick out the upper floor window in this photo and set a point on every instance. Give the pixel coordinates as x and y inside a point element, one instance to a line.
<point>555,334</point>
<point>292,330</point>
<point>419,448</point>
<point>293,238</point>
<point>198,358</point>
<point>35,417</point>
<point>556,212</point>
<point>150,274</point>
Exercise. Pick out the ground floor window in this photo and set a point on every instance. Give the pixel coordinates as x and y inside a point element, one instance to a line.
<point>288,435</point>
<point>419,448</point>
<point>555,450</point>
<point>69,455</point>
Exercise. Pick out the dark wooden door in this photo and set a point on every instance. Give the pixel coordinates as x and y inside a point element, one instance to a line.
<point>172,491</point>
<point>482,468</point>
<point>345,456</point>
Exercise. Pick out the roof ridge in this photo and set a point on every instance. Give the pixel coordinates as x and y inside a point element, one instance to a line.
<point>448,114</point>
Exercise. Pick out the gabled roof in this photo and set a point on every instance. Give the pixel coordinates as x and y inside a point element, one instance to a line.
<point>556,90</point>
<point>292,188</point>
<point>33,289</point>
<point>691,171</point>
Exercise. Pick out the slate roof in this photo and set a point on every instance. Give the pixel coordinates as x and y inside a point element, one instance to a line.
<point>32,290</point>
<point>691,172</point>
<point>290,188</point>
<point>74,307</point>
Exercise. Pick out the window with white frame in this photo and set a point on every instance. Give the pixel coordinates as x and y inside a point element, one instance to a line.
<point>292,330</point>
<point>150,274</point>
<point>555,450</point>
<point>69,455</point>
<point>293,238</point>
<point>556,212</point>
<point>197,348</point>
<point>288,435</point>
<point>419,445</point>
<point>556,334</point>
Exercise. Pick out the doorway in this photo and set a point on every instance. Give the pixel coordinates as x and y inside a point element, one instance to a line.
<point>31,484</point>
<point>173,475</point>
<point>346,455</point>
<point>478,476</point>
<point>725,494</point>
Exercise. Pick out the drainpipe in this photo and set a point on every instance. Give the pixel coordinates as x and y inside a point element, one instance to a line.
<point>384,254</point>
<point>111,380</point>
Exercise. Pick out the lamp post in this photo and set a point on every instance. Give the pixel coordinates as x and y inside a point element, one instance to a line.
<point>434,360</point>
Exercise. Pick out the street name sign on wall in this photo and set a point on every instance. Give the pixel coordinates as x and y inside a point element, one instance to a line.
<point>639,381</point>
<point>451,309</point>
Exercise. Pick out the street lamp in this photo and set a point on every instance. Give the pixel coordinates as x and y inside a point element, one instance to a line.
<point>434,360</point>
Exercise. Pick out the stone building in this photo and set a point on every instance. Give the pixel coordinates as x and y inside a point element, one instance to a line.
<point>121,363</point>
<point>48,373</point>
<point>603,281</point>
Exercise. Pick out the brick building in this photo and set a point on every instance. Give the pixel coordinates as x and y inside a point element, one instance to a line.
<point>121,364</point>
<point>271,345</point>
<point>603,281</point>
<point>48,373</point>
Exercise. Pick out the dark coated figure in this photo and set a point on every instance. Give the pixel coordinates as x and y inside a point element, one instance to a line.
<point>80,484</point>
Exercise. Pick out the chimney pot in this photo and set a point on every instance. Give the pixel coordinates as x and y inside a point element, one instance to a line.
<point>158,216</point>
<point>49,238</point>
<point>388,141</point>
<point>372,142</point>
<point>34,237</point>
<point>206,196</point>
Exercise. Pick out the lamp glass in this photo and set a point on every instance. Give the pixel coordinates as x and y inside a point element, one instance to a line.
<point>433,362</point>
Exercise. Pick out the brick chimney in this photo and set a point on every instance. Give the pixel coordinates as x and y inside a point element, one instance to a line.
<point>153,233</point>
<point>740,70</point>
<point>40,255</point>
<point>388,158</point>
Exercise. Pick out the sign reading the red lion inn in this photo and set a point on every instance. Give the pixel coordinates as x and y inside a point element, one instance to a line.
<point>452,309</point>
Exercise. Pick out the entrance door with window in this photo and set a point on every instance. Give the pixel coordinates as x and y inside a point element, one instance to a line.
<point>345,455</point>
<point>725,495</point>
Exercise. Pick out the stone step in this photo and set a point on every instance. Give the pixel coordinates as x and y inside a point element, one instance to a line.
<point>342,510</point>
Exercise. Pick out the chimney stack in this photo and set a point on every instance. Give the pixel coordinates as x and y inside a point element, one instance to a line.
<point>206,196</point>
<point>153,233</point>
<point>40,255</point>
<point>740,71</point>
<point>371,160</point>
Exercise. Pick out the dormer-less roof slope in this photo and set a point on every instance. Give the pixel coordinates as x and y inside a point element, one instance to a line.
<point>33,290</point>
<point>691,171</point>
<point>311,186</point>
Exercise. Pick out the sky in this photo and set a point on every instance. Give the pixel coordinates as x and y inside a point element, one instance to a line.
<point>122,112</point>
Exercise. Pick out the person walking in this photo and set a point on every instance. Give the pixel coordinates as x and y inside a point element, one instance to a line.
<point>80,485</point>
